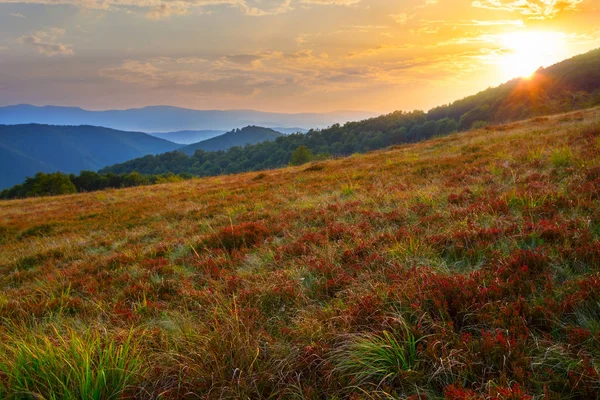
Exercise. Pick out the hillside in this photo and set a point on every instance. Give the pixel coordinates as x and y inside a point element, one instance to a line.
<point>464,267</point>
<point>28,149</point>
<point>187,137</point>
<point>237,137</point>
<point>569,85</point>
<point>164,118</point>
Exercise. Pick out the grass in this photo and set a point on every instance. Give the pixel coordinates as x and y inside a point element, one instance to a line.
<point>466,266</point>
<point>377,358</point>
<point>67,365</point>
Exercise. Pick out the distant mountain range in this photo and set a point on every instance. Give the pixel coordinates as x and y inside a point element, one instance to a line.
<point>237,137</point>
<point>166,119</point>
<point>28,149</point>
<point>31,148</point>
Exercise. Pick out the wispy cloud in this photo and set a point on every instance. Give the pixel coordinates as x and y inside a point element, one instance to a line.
<point>17,15</point>
<point>517,22</point>
<point>331,2</point>
<point>165,10</point>
<point>401,18</point>
<point>46,42</point>
<point>538,9</point>
<point>157,9</point>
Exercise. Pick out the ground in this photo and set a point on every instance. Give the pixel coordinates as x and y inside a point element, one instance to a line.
<point>467,266</point>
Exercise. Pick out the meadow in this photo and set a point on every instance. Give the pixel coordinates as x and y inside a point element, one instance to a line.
<point>463,267</point>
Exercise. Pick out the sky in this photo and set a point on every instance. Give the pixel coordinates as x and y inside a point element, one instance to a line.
<point>280,55</point>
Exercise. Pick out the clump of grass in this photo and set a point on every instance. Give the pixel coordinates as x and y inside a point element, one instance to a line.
<point>234,237</point>
<point>561,157</point>
<point>378,358</point>
<point>37,231</point>
<point>69,366</point>
<point>314,167</point>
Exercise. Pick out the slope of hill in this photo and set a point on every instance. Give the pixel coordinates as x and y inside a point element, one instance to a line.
<point>237,137</point>
<point>27,149</point>
<point>187,137</point>
<point>571,84</point>
<point>461,267</point>
<point>568,85</point>
<point>164,118</point>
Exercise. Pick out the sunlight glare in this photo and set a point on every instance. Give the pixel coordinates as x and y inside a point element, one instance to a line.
<point>527,51</point>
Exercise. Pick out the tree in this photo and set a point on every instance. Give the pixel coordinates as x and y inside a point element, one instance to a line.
<point>301,155</point>
<point>51,184</point>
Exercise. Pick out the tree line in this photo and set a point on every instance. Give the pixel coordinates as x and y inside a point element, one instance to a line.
<point>57,183</point>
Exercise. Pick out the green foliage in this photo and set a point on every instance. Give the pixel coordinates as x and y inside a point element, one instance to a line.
<point>87,181</point>
<point>561,157</point>
<point>51,185</point>
<point>375,358</point>
<point>67,366</point>
<point>301,155</point>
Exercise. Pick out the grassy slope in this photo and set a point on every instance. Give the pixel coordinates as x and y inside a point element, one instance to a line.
<point>469,261</point>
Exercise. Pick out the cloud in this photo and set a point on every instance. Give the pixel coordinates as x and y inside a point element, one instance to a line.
<point>164,10</point>
<point>401,18</point>
<point>17,15</point>
<point>46,42</point>
<point>517,22</point>
<point>157,9</point>
<point>331,2</point>
<point>537,9</point>
<point>282,8</point>
<point>301,73</point>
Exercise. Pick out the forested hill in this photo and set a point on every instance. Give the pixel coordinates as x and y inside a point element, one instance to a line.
<point>568,85</point>
<point>28,149</point>
<point>237,137</point>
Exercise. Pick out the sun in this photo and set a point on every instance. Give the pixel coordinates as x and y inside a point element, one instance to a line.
<point>526,51</point>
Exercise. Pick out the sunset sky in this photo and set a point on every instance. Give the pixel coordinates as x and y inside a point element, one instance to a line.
<point>280,55</point>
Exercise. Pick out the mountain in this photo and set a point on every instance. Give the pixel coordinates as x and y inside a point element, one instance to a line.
<point>31,148</point>
<point>165,118</point>
<point>191,137</point>
<point>571,84</point>
<point>237,137</point>
<point>187,137</point>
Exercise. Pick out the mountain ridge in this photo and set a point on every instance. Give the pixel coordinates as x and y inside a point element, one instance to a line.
<point>169,118</point>
<point>236,137</point>
<point>69,149</point>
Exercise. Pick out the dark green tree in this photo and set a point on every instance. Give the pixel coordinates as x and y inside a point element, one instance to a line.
<point>301,155</point>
